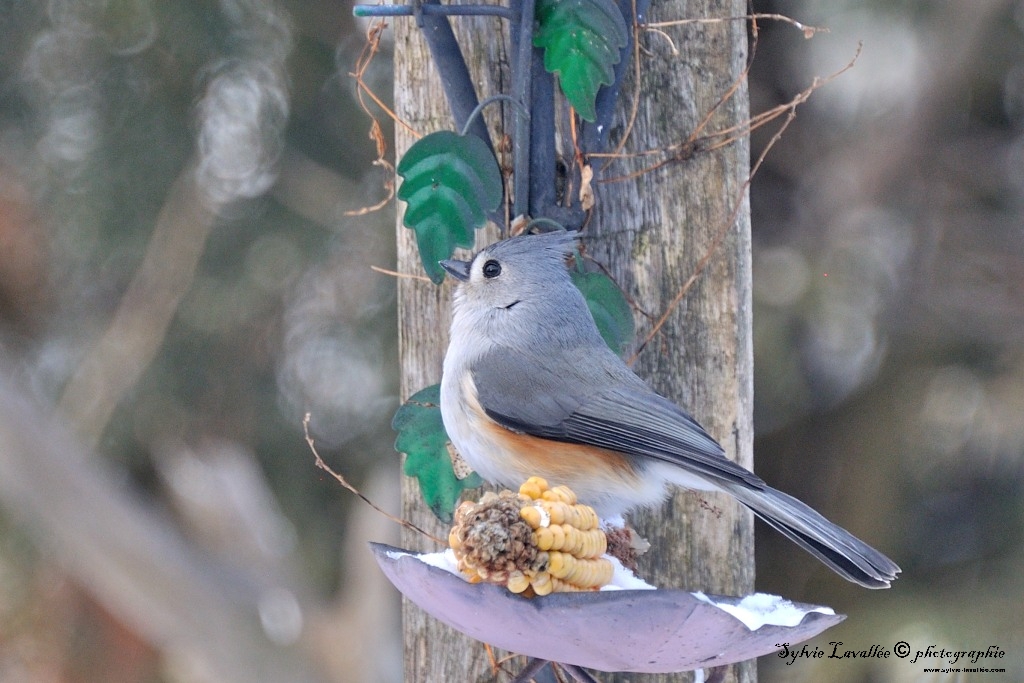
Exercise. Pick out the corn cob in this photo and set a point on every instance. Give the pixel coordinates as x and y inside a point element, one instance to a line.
<point>536,542</point>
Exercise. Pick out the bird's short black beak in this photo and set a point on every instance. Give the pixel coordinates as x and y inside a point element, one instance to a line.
<point>457,269</point>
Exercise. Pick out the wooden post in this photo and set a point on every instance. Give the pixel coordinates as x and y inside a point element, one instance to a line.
<point>433,651</point>
<point>651,233</point>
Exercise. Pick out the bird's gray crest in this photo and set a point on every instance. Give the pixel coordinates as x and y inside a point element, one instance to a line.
<point>558,243</point>
<point>543,248</point>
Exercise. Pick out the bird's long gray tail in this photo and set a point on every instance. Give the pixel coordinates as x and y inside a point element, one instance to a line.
<point>844,553</point>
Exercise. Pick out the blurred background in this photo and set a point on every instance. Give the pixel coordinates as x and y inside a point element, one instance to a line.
<point>182,279</point>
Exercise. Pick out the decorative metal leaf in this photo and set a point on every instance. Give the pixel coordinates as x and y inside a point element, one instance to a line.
<point>582,41</point>
<point>423,440</point>
<point>449,183</point>
<point>608,306</point>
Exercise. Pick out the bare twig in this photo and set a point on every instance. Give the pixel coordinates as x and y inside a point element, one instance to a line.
<point>395,273</point>
<point>376,134</point>
<point>808,31</point>
<point>735,132</point>
<point>688,148</point>
<point>344,482</point>
<point>694,142</point>
<point>667,38</point>
<point>362,64</point>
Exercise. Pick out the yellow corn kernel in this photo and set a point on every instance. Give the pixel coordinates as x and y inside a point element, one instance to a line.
<point>556,511</point>
<point>579,573</point>
<point>542,584</point>
<point>572,539</point>
<point>534,487</point>
<point>562,494</point>
<point>553,495</point>
<point>593,573</point>
<point>544,538</point>
<point>557,563</point>
<point>590,543</point>
<point>580,516</point>
<point>563,586</point>
<point>586,517</point>
<point>558,534</point>
<point>605,572</point>
<point>533,516</point>
<point>518,582</point>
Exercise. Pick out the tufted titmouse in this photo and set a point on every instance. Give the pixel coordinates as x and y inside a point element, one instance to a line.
<point>530,388</point>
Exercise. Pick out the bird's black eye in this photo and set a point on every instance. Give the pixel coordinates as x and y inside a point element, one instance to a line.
<point>492,269</point>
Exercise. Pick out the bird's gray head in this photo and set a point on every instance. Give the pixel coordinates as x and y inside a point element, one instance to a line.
<point>520,283</point>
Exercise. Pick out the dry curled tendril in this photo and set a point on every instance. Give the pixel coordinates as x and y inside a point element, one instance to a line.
<point>534,542</point>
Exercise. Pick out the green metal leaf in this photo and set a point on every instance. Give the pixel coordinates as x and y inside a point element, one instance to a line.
<point>609,307</point>
<point>449,183</point>
<point>423,440</point>
<point>582,41</point>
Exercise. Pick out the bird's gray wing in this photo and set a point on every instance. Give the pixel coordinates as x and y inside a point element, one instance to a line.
<point>589,398</point>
